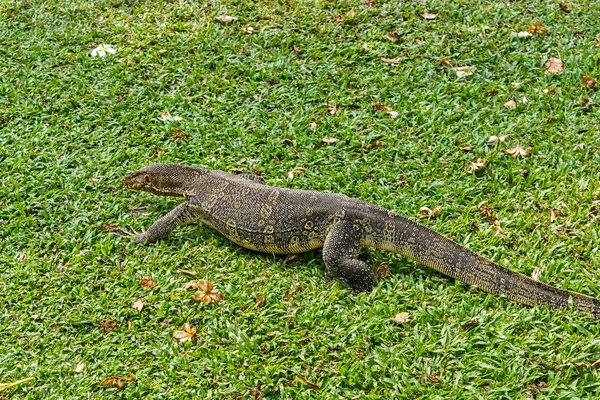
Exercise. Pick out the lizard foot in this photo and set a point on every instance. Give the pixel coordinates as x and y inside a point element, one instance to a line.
<point>137,237</point>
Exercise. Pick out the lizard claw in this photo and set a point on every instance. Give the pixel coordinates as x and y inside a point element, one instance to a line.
<point>126,233</point>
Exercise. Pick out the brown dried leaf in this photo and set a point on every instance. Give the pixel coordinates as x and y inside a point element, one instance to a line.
<point>510,104</point>
<point>205,293</point>
<point>467,149</point>
<point>330,140</point>
<point>156,153</point>
<point>312,385</point>
<point>564,7</point>
<point>494,139</point>
<point>295,49</point>
<point>107,325</point>
<point>476,166</point>
<point>226,19</point>
<point>536,273</point>
<point>292,257</point>
<point>187,334</point>
<point>260,301</point>
<point>179,134</point>
<point>518,151</point>
<point>391,113</point>
<point>554,214</point>
<point>496,227</point>
<point>138,305</point>
<point>537,28</point>
<point>295,171</point>
<point>392,36</point>
<point>109,227</point>
<point>333,109</point>
<point>382,272</point>
<point>444,61</point>
<point>588,81</point>
<point>187,272</point>
<point>464,71</point>
<point>378,106</point>
<point>428,16</point>
<point>428,213</point>
<point>596,364</point>
<point>554,66</point>
<point>313,124</point>
<point>350,14</point>
<point>390,60</point>
<point>248,30</point>
<point>166,116</point>
<point>147,283</point>
<point>470,324</point>
<point>376,143</point>
<point>117,381</point>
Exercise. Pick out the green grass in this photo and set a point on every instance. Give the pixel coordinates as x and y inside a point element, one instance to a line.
<point>71,126</point>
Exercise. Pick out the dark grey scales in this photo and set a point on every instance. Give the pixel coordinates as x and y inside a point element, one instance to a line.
<point>285,221</point>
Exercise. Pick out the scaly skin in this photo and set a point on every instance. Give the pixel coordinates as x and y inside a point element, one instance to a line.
<point>284,221</point>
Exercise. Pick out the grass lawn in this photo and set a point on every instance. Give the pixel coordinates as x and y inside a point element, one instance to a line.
<point>259,94</point>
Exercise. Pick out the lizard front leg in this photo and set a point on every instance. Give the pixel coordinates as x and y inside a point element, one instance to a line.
<point>340,254</point>
<point>181,215</point>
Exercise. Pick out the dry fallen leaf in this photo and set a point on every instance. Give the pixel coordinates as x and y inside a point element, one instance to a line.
<point>391,113</point>
<point>333,109</point>
<point>11,384</point>
<point>138,305</point>
<point>467,149</point>
<point>470,324</point>
<point>535,274</point>
<point>79,368</point>
<point>392,36</point>
<point>564,7</point>
<point>523,34</point>
<point>494,139</point>
<point>146,283</point>
<point>204,291</point>
<point>402,317</point>
<point>588,81</point>
<point>428,213</point>
<point>117,381</point>
<point>496,227</point>
<point>313,124</point>
<point>537,28</point>
<point>464,71</point>
<point>350,14</point>
<point>226,19</point>
<point>518,151</point>
<point>247,29</point>
<point>390,60</point>
<point>187,334</point>
<point>295,171</point>
<point>382,272</point>
<point>330,140</point>
<point>179,134</point>
<point>554,214</point>
<point>260,301</point>
<point>166,116</point>
<point>554,65</point>
<point>444,61</point>
<point>378,106</point>
<point>476,166</point>
<point>596,364</point>
<point>510,104</point>
<point>312,385</point>
<point>525,101</point>
<point>428,16</point>
<point>187,272</point>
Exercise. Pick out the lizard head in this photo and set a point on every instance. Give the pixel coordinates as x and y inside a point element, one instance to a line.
<point>164,179</point>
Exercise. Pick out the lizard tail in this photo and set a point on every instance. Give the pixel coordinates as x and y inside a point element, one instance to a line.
<point>450,258</point>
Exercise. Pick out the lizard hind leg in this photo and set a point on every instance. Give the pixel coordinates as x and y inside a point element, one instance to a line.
<point>340,254</point>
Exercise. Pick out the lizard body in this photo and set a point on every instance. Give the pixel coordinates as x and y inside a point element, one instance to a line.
<point>284,221</point>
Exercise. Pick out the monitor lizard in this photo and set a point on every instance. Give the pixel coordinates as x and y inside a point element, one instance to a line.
<point>285,221</point>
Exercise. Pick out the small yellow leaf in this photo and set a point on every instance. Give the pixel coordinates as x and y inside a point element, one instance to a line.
<point>248,30</point>
<point>537,28</point>
<point>510,104</point>
<point>390,60</point>
<point>535,274</point>
<point>226,19</point>
<point>295,171</point>
<point>428,213</point>
<point>392,37</point>
<point>554,214</point>
<point>205,293</point>
<point>79,368</point>
<point>117,381</point>
<point>554,66</point>
<point>494,139</point>
<point>330,140</point>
